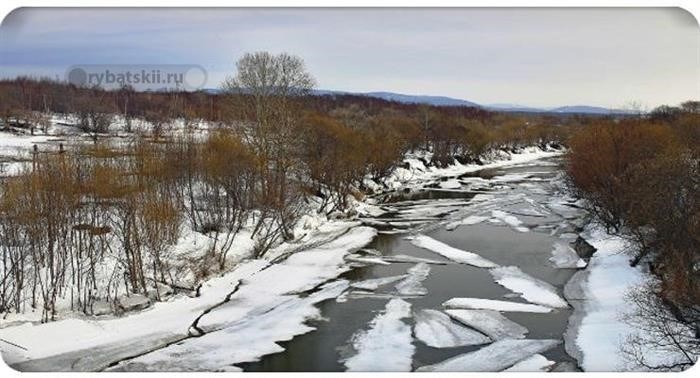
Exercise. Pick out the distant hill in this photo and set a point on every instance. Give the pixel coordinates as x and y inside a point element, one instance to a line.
<point>450,101</point>
<point>421,99</point>
<point>585,109</point>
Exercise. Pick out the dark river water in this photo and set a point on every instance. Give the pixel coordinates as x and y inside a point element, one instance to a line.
<point>525,191</point>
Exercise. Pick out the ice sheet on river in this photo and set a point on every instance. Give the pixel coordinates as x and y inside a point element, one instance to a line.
<point>531,289</point>
<point>412,285</point>
<point>492,304</point>
<point>494,357</point>
<point>247,340</point>
<point>387,345</point>
<point>374,283</point>
<point>563,256</point>
<point>489,322</point>
<point>450,252</point>
<point>436,329</point>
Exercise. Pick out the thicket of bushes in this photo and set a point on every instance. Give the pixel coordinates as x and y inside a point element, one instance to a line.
<point>641,179</point>
<point>99,220</point>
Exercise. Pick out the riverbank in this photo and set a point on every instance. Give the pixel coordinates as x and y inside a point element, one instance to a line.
<point>596,329</point>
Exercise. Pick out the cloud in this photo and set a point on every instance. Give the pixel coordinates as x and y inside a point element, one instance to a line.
<point>539,57</point>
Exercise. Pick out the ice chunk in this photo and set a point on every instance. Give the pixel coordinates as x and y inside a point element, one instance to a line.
<point>451,253</point>
<point>437,330</point>
<point>411,285</point>
<point>257,335</point>
<point>531,289</point>
<point>365,259</point>
<point>473,219</point>
<point>387,345</point>
<point>412,259</point>
<point>510,220</point>
<point>564,256</point>
<point>491,304</point>
<point>535,363</point>
<point>468,221</point>
<point>450,184</point>
<point>493,357</point>
<point>374,283</point>
<point>489,322</point>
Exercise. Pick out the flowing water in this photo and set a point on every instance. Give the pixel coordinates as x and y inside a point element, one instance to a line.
<point>531,192</point>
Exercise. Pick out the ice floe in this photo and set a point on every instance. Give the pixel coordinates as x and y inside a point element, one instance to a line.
<point>387,345</point>
<point>510,220</point>
<point>450,184</point>
<point>468,221</point>
<point>489,322</point>
<point>365,259</point>
<point>374,283</point>
<point>436,329</point>
<point>491,304</point>
<point>413,259</point>
<point>531,289</point>
<point>564,256</point>
<point>494,357</point>
<point>450,252</point>
<point>535,363</point>
<point>412,285</point>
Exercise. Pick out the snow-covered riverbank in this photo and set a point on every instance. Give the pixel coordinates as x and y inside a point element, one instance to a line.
<point>596,328</point>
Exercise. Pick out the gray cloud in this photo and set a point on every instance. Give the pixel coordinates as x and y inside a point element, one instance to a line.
<point>537,57</point>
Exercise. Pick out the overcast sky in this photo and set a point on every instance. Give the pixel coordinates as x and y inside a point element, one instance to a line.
<point>535,57</point>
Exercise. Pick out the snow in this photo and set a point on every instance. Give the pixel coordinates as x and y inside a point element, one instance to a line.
<point>491,304</point>
<point>374,283</point>
<point>535,363</point>
<point>563,256</point>
<point>263,287</point>
<point>510,220</point>
<point>387,345</point>
<point>450,252</point>
<point>301,272</point>
<point>531,289</point>
<point>412,285</point>
<point>246,341</point>
<point>437,330</point>
<point>403,177</point>
<point>489,322</point>
<point>494,357</point>
<point>609,277</point>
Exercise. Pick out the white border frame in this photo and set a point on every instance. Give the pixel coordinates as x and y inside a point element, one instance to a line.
<point>691,6</point>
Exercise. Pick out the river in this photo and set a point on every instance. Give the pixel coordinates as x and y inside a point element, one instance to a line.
<point>530,192</point>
